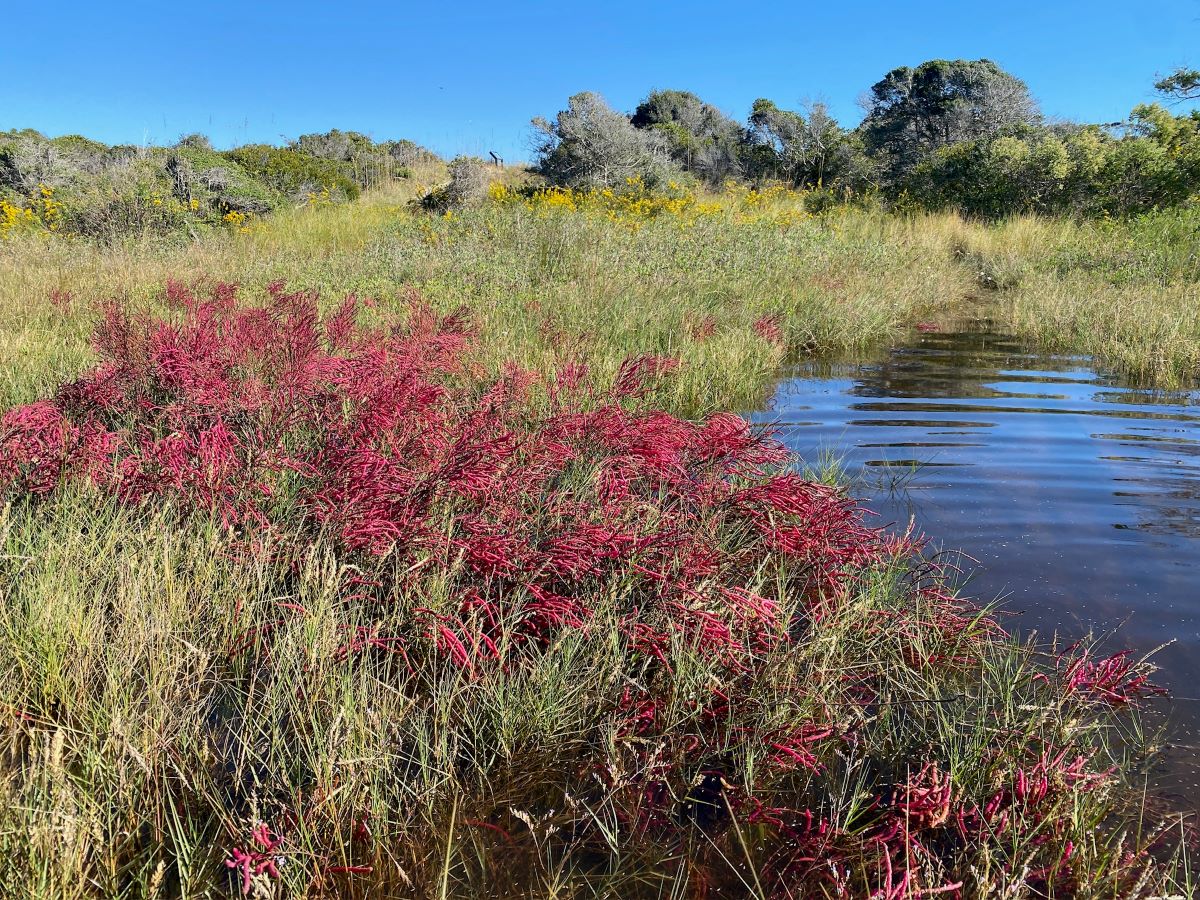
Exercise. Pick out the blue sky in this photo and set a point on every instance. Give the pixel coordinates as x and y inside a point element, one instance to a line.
<point>468,76</point>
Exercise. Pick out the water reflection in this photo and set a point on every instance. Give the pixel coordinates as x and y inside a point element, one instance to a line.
<point>1078,495</point>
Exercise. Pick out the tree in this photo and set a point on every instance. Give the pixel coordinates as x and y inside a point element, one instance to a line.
<point>1028,171</point>
<point>1082,170</point>
<point>1183,84</point>
<point>700,138</point>
<point>591,145</point>
<point>914,112</point>
<point>806,150</point>
<point>682,107</point>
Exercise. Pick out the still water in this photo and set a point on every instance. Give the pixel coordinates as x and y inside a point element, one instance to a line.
<point>1073,497</point>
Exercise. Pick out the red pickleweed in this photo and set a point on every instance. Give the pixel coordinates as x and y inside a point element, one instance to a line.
<point>1116,680</point>
<point>283,423</point>
<point>548,507</point>
<point>769,328</point>
<point>259,860</point>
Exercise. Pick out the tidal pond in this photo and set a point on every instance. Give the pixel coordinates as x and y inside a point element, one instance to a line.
<point>1058,488</point>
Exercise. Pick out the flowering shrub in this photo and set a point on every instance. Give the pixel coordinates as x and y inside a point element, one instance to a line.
<point>44,211</point>
<point>74,186</point>
<point>13,216</point>
<point>633,205</point>
<point>241,222</point>
<point>636,203</point>
<point>486,524</point>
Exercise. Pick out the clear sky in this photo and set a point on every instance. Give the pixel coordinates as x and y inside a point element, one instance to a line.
<point>468,76</point>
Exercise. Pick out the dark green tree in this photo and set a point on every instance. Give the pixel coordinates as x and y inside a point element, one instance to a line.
<point>700,138</point>
<point>1183,84</point>
<point>914,112</point>
<point>807,149</point>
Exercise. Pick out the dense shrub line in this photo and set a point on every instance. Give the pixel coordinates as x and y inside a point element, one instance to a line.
<point>108,193</point>
<point>947,134</point>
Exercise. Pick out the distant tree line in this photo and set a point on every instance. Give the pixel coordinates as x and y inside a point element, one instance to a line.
<point>959,134</point>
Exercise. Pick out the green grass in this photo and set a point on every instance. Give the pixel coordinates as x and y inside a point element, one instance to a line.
<point>1126,293</point>
<point>145,747</point>
<point>135,746</point>
<point>543,288</point>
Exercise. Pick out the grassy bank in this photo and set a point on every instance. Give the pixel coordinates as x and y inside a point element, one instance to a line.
<point>546,285</point>
<point>1124,292</point>
<point>558,282</point>
<point>353,608</point>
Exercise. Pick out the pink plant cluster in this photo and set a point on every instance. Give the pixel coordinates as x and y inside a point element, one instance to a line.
<point>257,862</point>
<point>532,495</point>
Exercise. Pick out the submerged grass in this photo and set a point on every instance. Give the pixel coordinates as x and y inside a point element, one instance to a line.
<point>357,609</point>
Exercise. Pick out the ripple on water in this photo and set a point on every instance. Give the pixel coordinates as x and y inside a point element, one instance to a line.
<point>1078,523</point>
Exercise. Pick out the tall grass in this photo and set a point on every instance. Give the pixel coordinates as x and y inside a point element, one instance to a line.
<point>545,284</point>
<point>1126,293</point>
<point>397,601</point>
<point>143,755</point>
<point>544,287</point>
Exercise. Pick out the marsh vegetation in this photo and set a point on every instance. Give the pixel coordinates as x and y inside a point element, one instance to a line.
<point>405,544</point>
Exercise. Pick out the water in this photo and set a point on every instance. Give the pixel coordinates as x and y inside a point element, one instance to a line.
<point>1074,496</point>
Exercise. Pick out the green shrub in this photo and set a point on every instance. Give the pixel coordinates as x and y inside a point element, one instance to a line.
<point>1082,171</point>
<point>293,172</point>
<point>105,192</point>
<point>368,164</point>
<point>406,153</point>
<point>196,141</point>
<point>222,181</point>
